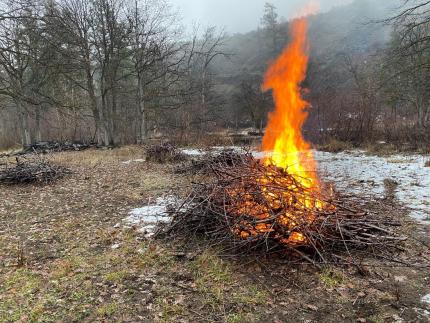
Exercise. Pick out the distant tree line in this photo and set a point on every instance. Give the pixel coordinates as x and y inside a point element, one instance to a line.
<point>110,71</point>
<point>124,71</point>
<point>381,93</point>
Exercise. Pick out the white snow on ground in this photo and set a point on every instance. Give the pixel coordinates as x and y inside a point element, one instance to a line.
<point>213,150</point>
<point>356,172</point>
<point>192,152</point>
<point>147,217</point>
<point>426,299</point>
<point>133,161</point>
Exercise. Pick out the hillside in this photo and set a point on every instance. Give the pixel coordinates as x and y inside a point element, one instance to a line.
<point>351,28</point>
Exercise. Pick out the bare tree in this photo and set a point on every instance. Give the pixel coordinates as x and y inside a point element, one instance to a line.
<point>271,26</point>
<point>408,59</point>
<point>73,26</point>
<point>23,76</point>
<point>154,51</point>
<point>253,101</point>
<point>203,51</point>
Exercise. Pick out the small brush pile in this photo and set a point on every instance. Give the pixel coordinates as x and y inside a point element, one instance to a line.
<point>244,204</point>
<point>35,171</point>
<point>204,164</point>
<point>164,153</point>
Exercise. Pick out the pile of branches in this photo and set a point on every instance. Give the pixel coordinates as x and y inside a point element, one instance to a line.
<point>35,171</point>
<point>246,205</point>
<point>204,164</point>
<point>164,153</point>
<point>46,147</point>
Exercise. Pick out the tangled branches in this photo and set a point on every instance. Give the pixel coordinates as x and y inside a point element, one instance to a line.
<point>248,205</point>
<point>205,163</point>
<point>164,153</point>
<point>36,171</point>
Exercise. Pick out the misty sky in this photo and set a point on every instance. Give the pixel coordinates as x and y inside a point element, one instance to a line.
<point>239,15</point>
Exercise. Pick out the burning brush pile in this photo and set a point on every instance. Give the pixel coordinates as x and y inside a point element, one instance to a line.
<point>278,202</point>
<point>243,203</point>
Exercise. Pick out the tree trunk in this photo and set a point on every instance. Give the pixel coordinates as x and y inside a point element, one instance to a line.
<point>142,136</point>
<point>100,129</point>
<point>24,127</point>
<point>203,100</point>
<point>106,115</point>
<point>38,120</point>
<point>113,113</point>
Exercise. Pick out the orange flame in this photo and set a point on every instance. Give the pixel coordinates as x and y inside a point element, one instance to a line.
<point>284,131</point>
<point>282,207</point>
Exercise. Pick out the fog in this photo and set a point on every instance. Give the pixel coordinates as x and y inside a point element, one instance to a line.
<point>239,15</point>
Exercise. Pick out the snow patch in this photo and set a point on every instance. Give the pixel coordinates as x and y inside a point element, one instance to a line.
<point>192,152</point>
<point>148,217</point>
<point>213,150</point>
<point>426,299</point>
<point>115,246</point>
<point>128,162</point>
<point>356,172</point>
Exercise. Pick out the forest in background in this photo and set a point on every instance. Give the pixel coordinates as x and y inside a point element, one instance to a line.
<point>125,71</point>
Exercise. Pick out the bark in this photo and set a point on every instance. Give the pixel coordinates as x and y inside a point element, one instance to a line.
<point>24,127</point>
<point>100,129</point>
<point>113,112</point>
<point>142,112</point>
<point>106,115</point>
<point>38,124</point>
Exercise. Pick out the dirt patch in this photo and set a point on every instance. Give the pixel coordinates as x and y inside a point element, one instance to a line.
<point>63,257</point>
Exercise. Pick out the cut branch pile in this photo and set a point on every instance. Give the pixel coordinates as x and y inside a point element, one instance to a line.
<point>37,171</point>
<point>244,204</point>
<point>46,147</point>
<point>205,163</point>
<point>164,153</point>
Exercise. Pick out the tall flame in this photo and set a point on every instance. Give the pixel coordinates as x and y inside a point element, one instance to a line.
<point>284,131</point>
<point>283,203</point>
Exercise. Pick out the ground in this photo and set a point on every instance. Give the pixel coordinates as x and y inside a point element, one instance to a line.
<point>65,255</point>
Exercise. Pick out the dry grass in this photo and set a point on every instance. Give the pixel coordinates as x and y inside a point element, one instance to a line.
<point>10,150</point>
<point>93,157</point>
<point>427,163</point>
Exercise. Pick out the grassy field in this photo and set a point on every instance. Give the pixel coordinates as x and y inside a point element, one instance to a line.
<point>64,258</point>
